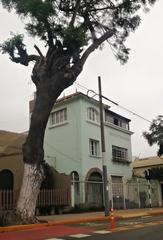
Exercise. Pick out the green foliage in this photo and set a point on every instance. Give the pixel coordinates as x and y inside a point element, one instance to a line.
<point>10,45</point>
<point>48,182</point>
<point>74,37</point>
<point>156,173</point>
<point>155,134</point>
<point>30,8</point>
<point>77,23</point>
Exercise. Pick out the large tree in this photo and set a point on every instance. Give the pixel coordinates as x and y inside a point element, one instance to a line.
<point>155,134</point>
<point>71,31</point>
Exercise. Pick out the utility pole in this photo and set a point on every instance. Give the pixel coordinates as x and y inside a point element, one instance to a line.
<point>104,168</point>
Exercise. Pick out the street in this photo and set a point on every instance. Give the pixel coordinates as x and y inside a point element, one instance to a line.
<point>142,228</point>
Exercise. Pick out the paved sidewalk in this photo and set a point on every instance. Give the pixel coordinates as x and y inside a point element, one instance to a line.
<point>119,214</point>
<point>84,217</point>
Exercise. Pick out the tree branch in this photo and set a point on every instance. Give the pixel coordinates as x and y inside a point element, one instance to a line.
<point>38,50</point>
<point>24,60</point>
<point>95,45</point>
<point>74,13</point>
<point>88,23</point>
<point>50,34</point>
<point>101,9</point>
<point>78,66</point>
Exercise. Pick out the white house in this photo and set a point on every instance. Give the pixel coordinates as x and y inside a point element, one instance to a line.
<point>73,145</point>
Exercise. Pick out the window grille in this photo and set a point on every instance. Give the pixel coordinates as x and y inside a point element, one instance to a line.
<point>119,154</point>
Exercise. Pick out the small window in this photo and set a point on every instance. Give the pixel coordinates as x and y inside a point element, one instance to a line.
<point>59,116</point>
<point>75,181</point>
<point>125,125</point>
<point>94,148</point>
<point>119,154</point>
<point>109,118</point>
<point>116,122</point>
<point>93,114</point>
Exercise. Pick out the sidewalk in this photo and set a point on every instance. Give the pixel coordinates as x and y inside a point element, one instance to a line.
<point>74,218</point>
<point>95,216</point>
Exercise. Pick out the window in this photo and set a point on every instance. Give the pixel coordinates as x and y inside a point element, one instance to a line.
<point>117,187</point>
<point>118,121</point>
<point>75,181</point>
<point>119,154</point>
<point>94,148</point>
<point>93,114</point>
<point>125,125</point>
<point>109,118</point>
<point>59,116</point>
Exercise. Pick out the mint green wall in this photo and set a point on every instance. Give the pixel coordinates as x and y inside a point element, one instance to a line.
<point>91,130</point>
<point>120,138</point>
<point>67,146</point>
<point>62,143</point>
<point>113,136</point>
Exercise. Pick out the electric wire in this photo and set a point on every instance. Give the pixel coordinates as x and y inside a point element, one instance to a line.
<point>113,102</point>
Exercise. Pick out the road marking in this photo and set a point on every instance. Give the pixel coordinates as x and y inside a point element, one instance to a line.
<point>146,216</point>
<point>102,232</point>
<point>79,236</point>
<point>54,239</point>
<point>121,229</point>
<point>129,223</point>
<point>152,223</point>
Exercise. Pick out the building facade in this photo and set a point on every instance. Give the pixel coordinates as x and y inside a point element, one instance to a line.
<point>140,165</point>
<point>73,145</point>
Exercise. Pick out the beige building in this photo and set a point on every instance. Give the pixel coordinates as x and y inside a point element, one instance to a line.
<point>11,160</point>
<point>142,164</point>
<point>11,163</point>
<point>11,174</point>
<point>139,167</point>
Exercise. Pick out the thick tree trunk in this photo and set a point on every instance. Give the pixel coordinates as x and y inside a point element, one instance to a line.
<point>33,156</point>
<point>31,184</point>
<point>50,78</point>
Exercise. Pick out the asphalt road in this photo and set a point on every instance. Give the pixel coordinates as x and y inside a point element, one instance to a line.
<point>147,233</point>
<point>147,228</point>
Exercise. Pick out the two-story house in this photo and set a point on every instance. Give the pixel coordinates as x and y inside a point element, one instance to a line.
<point>73,145</point>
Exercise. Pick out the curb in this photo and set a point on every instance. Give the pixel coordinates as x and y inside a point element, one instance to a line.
<point>50,223</point>
<point>74,221</point>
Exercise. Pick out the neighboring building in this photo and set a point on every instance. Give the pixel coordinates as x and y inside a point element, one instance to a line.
<point>11,160</point>
<point>11,174</point>
<point>73,144</point>
<point>143,164</point>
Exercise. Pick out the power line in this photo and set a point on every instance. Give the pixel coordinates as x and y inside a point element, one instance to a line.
<point>113,102</point>
<point>81,86</point>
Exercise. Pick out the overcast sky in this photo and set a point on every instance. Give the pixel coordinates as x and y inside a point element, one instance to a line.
<point>138,85</point>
